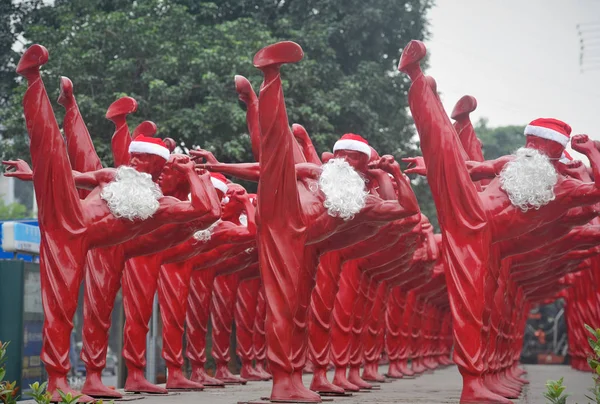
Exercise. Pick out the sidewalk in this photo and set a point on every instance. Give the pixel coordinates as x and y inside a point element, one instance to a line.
<point>442,386</point>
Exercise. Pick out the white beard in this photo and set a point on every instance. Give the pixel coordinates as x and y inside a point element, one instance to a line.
<point>132,195</point>
<point>529,180</point>
<point>344,189</point>
<point>205,235</point>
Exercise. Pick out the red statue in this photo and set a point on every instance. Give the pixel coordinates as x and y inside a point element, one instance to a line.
<point>125,201</point>
<point>173,279</point>
<point>527,194</point>
<point>296,216</point>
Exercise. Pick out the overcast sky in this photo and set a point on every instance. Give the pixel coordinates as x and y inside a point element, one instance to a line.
<point>519,58</point>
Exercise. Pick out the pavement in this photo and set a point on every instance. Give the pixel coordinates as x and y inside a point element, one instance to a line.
<point>441,386</point>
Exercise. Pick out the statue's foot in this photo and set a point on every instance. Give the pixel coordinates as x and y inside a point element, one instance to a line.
<point>354,378</point>
<point>177,381</point>
<point>287,389</point>
<point>261,369</point>
<point>371,374</point>
<point>474,391</point>
<point>340,380</point>
<point>412,55</point>
<point>406,371</point>
<point>199,375</point>
<point>226,376</point>
<point>418,367</point>
<point>65,97</point>
<point>121,108</point>
<point>94,387</point>
<point>493,385</point>
<point>320,384</point>
<point>59,382</point>
<point>278,54</point>
<point>394,371</point>
<point>136,383</point>
<point>247,372</point>
<point>34,57</point>
<point>464,107</point>
<point>445,360</point>
<point>431,364</point>
<point>244,89</point>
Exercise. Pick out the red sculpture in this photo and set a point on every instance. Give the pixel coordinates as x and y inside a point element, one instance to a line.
<point>471,222</point>
<point>127,202</point>
<point>293,221</point>
<point>173,279</point>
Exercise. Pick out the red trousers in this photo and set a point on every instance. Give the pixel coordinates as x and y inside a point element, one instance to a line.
<point>199,301</point>
<point>173,290</point>
<point>222,313</point>
<point>245,317</point>
<point>102,283</point>
<point>140,281</point>
<point>258,338</point>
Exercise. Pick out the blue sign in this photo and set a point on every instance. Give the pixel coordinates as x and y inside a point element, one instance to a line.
<point>20,237</point>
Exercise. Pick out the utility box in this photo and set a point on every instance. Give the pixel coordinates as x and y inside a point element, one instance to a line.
<point>21,321</point>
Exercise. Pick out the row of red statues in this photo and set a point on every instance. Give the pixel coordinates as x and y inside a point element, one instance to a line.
<point>331,263</point>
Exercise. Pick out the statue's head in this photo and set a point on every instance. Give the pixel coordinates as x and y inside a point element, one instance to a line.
<point>236,200</point>
<point>548,136</point>
<point>148,155</point>
<point>221,184</point>
<point>172,181</point>
<point>355,150</point>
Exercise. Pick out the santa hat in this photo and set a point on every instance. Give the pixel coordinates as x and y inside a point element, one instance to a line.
<point>219,182</point>
<point>350,141</point>
<point>565,158</point>
<point>551,129</point>
<point>149,145</point>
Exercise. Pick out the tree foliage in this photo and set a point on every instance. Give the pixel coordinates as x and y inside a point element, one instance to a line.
<point>178,59</point>
<point>499,141</point>
<point>12,211</point>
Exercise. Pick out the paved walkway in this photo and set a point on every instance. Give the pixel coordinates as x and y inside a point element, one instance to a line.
<point>442,386</point>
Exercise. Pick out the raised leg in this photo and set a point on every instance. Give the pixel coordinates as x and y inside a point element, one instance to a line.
<point>463,222</point>
<point>61,219</point>
<point>282,232</point>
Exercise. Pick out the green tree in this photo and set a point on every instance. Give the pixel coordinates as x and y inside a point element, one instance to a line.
<point>499,141</point>
<point>178,60</point>
<point>12,211</point>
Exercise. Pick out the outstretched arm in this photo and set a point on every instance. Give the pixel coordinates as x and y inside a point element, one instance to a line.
<point>378,210</point>
<point>90,180</point>
<point>205,200</point>
<point>406,196</point>
<point>477,170</point>
<point>487,169</point>
<point>243,171</point>
<point>237,263</point>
